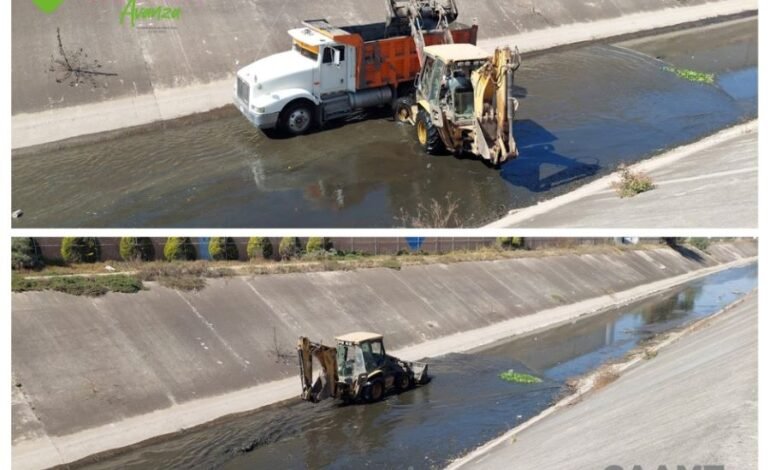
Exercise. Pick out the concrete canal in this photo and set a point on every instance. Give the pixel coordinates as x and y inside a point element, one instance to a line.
<point>583,111</point>
<point>465,405</point>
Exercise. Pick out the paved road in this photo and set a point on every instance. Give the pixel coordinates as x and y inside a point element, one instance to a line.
<point>693,404</point>
<point>712,184</point>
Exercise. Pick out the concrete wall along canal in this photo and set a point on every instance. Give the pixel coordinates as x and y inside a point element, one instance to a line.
<point>170,68</point>
<point>210,40</point>
<point>83,362</point>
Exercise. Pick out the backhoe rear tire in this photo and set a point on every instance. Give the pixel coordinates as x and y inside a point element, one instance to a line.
<point>428,136</point>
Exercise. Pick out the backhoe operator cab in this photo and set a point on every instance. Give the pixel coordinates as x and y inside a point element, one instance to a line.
<point>366,372</point>
<point>358,369</point>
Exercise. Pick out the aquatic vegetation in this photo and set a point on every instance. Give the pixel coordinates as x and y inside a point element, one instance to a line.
<point>692,75</point>
<point>519,377</point>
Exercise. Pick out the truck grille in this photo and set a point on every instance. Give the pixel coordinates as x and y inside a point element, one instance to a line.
<point>243,91</point>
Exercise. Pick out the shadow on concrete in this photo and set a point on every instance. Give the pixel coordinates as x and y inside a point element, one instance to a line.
<point>539,167</point>
<point>684,250</point>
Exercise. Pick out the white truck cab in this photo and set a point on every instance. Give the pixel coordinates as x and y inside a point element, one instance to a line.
<point>312,83</point>
<point>286,89</point>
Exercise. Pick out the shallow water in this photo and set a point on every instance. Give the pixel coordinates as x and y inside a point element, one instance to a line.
<point>465,405</point>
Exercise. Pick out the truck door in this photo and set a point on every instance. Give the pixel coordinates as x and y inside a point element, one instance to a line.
<point>334,70</point>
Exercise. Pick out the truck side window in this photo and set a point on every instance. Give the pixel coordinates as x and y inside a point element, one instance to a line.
<point>329,54</point>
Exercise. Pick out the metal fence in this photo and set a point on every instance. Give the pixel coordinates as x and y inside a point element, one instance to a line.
<point>50,247</point>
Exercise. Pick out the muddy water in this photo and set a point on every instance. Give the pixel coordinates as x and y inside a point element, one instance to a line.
<point>582,112</point>
<point>465,404</point>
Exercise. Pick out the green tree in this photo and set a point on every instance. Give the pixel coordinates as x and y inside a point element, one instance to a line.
<point>223,248</point>
<point>179,248</point>
<point>318,244</point>
<point>25,254</point>
<point>289,247</point>
<point>700,243</point>
<point>80,250</point>
<point>509,243</point>
<point>259,247</point>
<point>137,249</point>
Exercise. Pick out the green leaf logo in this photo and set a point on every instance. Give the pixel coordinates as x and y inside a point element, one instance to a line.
<point>47,6</point>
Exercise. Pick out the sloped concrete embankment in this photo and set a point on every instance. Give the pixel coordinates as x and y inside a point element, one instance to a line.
<point>188,68</point>
<point>91,374</point>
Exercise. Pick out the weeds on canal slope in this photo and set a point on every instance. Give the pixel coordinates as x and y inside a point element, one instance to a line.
<point>187,276</point>
<point>632,183</point>
<point>91,286</point>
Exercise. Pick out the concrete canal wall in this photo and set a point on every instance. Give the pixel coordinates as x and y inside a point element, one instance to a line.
<point>185,65</point>
<point>90,374</point>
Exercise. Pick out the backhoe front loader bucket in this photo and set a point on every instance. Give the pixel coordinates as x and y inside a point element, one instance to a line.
<point>420,370</point>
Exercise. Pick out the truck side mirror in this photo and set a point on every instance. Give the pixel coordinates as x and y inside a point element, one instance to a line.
<point>336,56</point>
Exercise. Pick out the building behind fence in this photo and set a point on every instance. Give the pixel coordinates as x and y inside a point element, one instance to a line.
<point>110,246</point>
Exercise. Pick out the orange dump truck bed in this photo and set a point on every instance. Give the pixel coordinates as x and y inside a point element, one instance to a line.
<point>386,60</point>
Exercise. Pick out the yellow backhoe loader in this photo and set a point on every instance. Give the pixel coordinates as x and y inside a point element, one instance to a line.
<point>464,99</point>
<point>357,370</point>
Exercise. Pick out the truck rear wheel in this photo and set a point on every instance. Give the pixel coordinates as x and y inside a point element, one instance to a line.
<point>296,118</point>
<point>427,134</point>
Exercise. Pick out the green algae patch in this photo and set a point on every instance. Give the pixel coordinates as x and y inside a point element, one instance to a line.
<point>692,75</point>
<point>519,377</point>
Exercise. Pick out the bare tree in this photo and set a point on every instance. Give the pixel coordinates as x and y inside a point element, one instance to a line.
<point>73,66</point>
<point>279,354</point>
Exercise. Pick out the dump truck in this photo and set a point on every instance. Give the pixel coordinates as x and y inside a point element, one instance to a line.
<point>357,370</point>
<point>335,72</point>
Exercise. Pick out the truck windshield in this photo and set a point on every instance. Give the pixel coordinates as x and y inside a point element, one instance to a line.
<point>309,54</point>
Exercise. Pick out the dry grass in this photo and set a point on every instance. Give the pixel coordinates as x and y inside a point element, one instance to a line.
<point>435,215</point>
<point>158,270</point>
<point>604,378</point>
<point>632,183</point>
<point>650,353</point>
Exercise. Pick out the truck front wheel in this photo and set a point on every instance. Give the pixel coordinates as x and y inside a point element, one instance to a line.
<point>296,118</point>
<point>427,134</point>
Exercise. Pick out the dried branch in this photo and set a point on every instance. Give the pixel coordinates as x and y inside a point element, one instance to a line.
<point>75,67</point>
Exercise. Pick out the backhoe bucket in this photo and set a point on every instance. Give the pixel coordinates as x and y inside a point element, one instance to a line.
<point>420,370</point>
<point>325,385</point>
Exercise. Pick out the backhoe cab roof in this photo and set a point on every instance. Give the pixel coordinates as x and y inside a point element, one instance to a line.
<point>358,337</point>
<point>457,52</point>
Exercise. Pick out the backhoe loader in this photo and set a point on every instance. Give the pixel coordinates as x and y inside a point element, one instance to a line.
<point>464,98</point>
<point>357,370</point>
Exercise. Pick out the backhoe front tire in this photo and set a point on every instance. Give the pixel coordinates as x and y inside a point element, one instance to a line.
<point>405,382</point>
<point>374,391</point>
<point>427,134</point>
